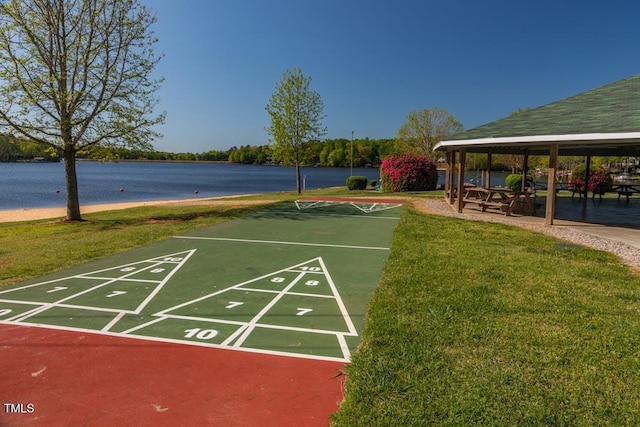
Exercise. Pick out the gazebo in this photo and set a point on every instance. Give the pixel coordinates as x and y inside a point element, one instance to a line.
<point>600,122</point>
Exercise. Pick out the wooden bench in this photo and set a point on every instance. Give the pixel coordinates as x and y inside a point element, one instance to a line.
<point>503,206</point>
<point>484,198</point>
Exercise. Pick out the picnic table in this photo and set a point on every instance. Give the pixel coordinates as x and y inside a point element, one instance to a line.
<point>626,187</point>
<point>499,198</point>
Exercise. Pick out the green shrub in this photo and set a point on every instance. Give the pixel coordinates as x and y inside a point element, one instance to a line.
<point>357,182</point>
<point>408,172</point>
<point>514,181</point>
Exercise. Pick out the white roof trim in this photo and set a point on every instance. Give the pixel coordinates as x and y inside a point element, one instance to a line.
<point>583,138</point>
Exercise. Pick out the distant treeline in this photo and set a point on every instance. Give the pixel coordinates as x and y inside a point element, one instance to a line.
<point>330,152</point>
<point>13,149</point>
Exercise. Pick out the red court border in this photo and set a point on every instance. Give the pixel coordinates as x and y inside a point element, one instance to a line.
<point>58,377</point>
<point>355,200</point>
<point>76,378</point>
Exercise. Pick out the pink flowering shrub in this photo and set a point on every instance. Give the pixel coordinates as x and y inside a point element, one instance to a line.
<point>408,172</point>
<point>599,180</point>
<point>576,184</point>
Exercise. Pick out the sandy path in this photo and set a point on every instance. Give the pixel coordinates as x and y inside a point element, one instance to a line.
<point>46,213</point>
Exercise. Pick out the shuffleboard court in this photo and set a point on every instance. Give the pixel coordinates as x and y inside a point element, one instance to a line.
<point>291,280</point>
<point>249,322</point>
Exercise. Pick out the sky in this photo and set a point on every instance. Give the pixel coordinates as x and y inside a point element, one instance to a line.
<point>374,61</point>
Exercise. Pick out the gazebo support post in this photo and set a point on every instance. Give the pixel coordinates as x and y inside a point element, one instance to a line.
<point>461,168</point>
<point>447,155</point>
<point>525,168</point>
<point>450,178</point>
<point>587,177</point>
<point>487,181</point>
<point>550,208</point>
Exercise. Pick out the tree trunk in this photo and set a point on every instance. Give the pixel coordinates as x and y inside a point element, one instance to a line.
<point>298,189</point>
<point>73,199</point>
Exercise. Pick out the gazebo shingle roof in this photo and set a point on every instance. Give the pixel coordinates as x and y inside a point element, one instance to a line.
<point>604,121</point>
<point>613,108</point>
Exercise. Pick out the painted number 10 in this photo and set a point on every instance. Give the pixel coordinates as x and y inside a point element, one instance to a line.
<point>201,334</point>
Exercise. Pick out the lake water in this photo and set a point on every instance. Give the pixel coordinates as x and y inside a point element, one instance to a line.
<point>32,185</point>
<point>35,185</point>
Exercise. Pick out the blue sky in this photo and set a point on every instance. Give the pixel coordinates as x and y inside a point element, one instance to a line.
<point>375,61</point>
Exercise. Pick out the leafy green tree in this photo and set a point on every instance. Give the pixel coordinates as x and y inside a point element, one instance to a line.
<point>76,75</point>
<point>8,148</point>
<point>425,128</point>
<point>296,113</point>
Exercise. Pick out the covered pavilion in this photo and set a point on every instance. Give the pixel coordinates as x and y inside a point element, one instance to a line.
<point>600,122</point>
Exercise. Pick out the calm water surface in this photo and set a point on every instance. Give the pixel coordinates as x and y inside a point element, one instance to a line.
<point>35,185</point>
<point>32,185</point>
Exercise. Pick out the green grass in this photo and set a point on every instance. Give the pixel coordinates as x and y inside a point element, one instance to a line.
<point>34,248</point>
<point>473,323</point>
<point>487,324</point>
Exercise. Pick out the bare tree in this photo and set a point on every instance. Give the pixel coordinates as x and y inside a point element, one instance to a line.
<point>76,75</point>
<point>425,128</point>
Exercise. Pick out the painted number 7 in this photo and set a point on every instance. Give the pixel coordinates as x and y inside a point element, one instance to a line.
<point>303,311</point>
<point>233,304</point>
<point>116,293</point>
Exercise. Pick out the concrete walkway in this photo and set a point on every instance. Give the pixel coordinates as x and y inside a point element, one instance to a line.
<point>612,219</point>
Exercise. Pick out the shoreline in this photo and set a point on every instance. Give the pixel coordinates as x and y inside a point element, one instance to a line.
<point>32,214</point>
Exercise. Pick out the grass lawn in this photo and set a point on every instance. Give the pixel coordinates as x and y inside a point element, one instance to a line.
<point>478,323</point>
<point>473,323</point>
<point>34,248</point>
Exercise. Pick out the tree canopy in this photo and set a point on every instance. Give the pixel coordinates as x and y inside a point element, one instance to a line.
<point>296,119</point>
<point>76,75</point>
<point>423,129</point>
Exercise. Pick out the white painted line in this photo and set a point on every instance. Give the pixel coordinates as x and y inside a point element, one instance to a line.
<point>92,308</point>
<point>60,302</point>
<point>184,342</point>
<point>354,216</point>
<point>374,207</point>
<point>237,338</point>
<point>150,264</point>
<point>298,329</point>
<point>322,245</point>
<point>343,309</point>
<point>128,280</point>
<point>144,303</point>
<point>44,283</point>
<point>144,325</point>
<point>115,320</point>
<point>252,324</point>
<point>231,338</point>
<point>17,301</point>
<point>343,346</point>
<point>204,297</point>
<point>18,317</point>
<point>203,319</point>
<point>301,294</point>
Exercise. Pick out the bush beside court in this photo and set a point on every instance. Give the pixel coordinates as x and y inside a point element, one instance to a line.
<point>357,182</point>
<point>408,172</point>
